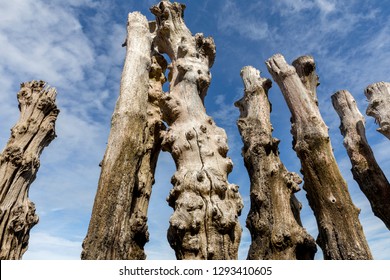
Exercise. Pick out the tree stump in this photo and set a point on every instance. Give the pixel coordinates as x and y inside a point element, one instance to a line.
<point>204,224</point>
<point>118,227</point>
<point>273,219</point>
<point>340,232</point>
<point>366,171</point>
<point>19,164</point>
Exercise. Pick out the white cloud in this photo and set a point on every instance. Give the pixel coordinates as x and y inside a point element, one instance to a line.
<point>231,19</point>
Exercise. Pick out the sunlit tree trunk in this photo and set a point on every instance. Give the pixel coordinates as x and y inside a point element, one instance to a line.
<point>118,227</point>
<point>204,224</point>
<point>378,95</point>
<point>340,232</point>
<point>366,171</point>
<point>19,164</point>
<point>273,219</point>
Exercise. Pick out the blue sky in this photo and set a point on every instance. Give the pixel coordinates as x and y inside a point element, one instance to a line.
<point>75,46</point>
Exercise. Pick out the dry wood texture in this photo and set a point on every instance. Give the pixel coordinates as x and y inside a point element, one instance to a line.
<point>19,164</point>
<point>118,227</point>
<point>378,95</point>
<point>366,171</point>
<point>204,224</point>
<point>340,232</point>
<point>276,232</point>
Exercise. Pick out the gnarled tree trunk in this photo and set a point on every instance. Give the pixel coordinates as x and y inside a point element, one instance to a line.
<point>276,232</point>
<point>340,233</point>
<point>19,164</point>
<point>378,95</point>
<point>204,224</point>
<point>366,171</point>
<point>118,227</point>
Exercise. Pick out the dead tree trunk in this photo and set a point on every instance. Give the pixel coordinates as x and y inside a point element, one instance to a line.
<point>204,224</point>
<point>276,232</point>
<point>365,169</point>
<point>118,226</point>
<point>378,95</point>
<point>340,233</point>
<point>19,164</point>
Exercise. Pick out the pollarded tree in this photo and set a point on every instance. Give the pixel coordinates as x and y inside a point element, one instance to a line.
<point>19,164</point>
<point>378,95</point>
<point>118,227</point>
<point>273,219</point>
<point>340,232</point>
<point>366,171</point>
<point>204,224</point>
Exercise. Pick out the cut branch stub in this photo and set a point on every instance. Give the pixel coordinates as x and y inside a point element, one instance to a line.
<point>366,171</point>
<point>19,164</point>
<point>378,95</point>
<point>273,219</point>
<point>118,227</point>
<point>340,233</point>
<point>204,224</point>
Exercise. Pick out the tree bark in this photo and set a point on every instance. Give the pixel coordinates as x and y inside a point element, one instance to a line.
<point>340,233</point>
<point>19,164</point>
<point>204,224</point>
<point>366,171</point>
<point>118,227</point>
<point>378,95</point>
<point>276,232</point>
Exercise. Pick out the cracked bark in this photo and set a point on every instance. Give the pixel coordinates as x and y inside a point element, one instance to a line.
<point>19,164</point>
<point>204,224</point>
<point>378,95</point>
<point>118,227</point>
<point>340,232</point>
<point>276,232</point>
<point>366,171</point>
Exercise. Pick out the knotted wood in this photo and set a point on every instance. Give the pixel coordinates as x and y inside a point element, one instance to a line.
<point>118,227</point>
<point>273,219</point>
<point>19,164</point>
<point>365,169</point>
<point>340,232</point>
<point>378,95</point>
<point>204,224</point>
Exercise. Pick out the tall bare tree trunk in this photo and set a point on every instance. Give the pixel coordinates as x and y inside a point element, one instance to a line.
<point>273,219</point>
<point>19,164</point>
<point>365,169</point>
<point>378,95</point>
<point>340,233</point>
<point>118,227</point>
<point>204,224</point>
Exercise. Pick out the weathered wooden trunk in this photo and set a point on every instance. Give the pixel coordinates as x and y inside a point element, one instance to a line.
<point>378,95</point>
<point>273,219</point>
<point>204,224</point>
<point>366,171</point>
<point>340,232</point>
<point>19,164</point>
<point>118,227</point>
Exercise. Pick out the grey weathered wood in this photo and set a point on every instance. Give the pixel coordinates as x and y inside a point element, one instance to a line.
<point>19,164</point>
<point>118,227</point>
<point>366,171</point>
<point>276,232</point>
<point>204,224</point>
<point>378,95</point>
<point>340,232</point>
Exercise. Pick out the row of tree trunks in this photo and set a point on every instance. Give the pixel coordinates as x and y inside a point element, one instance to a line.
<point>340,232</point>
<point>19,164</point>
<point>365,169</point>
<point>273,219</point>
<point>378,95</point>
<point>118,227</point>
<point>204,224</point>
